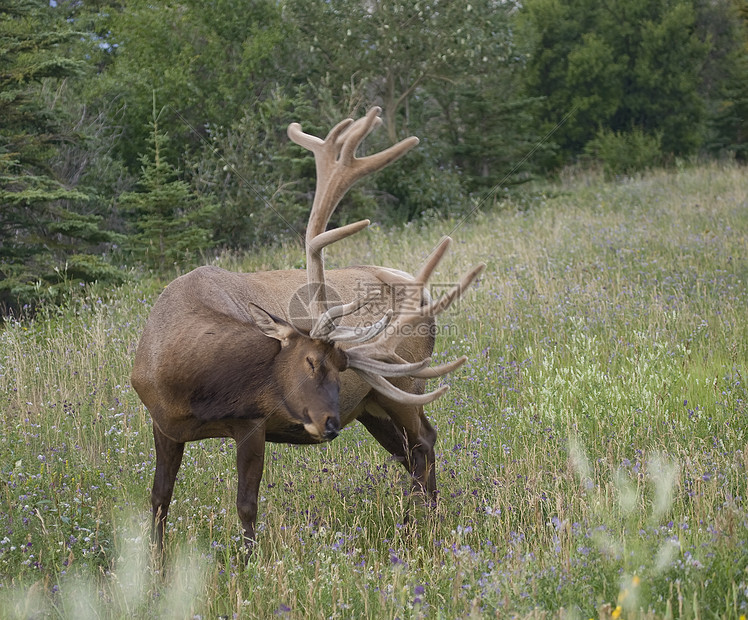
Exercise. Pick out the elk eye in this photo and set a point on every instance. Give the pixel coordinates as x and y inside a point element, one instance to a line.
<point>310,361</point>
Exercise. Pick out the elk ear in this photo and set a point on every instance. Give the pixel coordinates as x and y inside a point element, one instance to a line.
<point>271,325</point>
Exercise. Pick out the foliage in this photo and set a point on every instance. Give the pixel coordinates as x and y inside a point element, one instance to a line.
<point>625,153</point>
<point>730,120</point>
<point>590,457</point>
<point>206,62</point>
<point>618,65</point>
<point>389,50</point>
<point>726,76</point>
<point>495,138</point>
<point>45,231</point>
<point>172,223</point>
<point>262,182</point>
<point>417,187</point>
<point>444,71</point>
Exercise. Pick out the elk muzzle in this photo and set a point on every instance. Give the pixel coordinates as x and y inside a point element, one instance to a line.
<point>324,427</point>
<point>332,428</point>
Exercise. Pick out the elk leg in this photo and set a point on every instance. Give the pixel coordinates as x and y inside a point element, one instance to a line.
<point>387,434</point>
<point>413,446</point>
<point>250,457</point>
<point>168,459</point>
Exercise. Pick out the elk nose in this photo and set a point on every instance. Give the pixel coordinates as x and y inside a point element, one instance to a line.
<point>332,428</point>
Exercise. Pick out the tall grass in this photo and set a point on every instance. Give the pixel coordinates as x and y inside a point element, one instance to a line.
<point>591,459</point>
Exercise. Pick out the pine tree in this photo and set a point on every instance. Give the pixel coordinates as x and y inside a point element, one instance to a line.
<point>41,230</point>
<point>172,223</point>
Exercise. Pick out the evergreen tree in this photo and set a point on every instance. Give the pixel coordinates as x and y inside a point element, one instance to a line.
<point>725,22</point>
<point>623,65</point>
<point>172,223</point>
<point>43,233</point>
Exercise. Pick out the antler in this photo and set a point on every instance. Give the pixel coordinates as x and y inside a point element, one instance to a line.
<point>337,170</point>
<point>379,359</point>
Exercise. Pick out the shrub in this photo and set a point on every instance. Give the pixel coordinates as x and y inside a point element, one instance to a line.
<point>623,153</point>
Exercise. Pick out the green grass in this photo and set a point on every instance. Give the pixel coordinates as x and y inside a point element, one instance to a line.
<point>592,454</point>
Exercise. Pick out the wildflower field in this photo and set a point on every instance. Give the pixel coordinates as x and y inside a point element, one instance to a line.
<point>592,454</point>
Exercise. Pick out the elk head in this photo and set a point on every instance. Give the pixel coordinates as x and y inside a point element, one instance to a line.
<point>308,375</point>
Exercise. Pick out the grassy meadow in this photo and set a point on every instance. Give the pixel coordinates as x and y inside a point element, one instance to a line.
<point>592,457</point>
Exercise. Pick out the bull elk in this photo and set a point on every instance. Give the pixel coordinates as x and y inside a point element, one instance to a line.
<point>220,355</point>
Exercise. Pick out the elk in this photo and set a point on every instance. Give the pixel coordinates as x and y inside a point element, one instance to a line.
<point>220,355</point>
